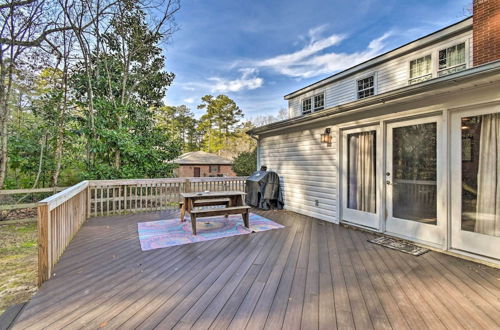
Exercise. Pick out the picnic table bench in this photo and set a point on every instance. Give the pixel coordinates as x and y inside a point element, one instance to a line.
<point>233,202</point>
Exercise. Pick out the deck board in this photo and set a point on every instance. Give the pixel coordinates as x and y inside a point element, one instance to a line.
<point>310,274</point>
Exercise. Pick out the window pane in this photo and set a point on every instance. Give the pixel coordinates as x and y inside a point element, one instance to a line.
<point>452,59</point>
<point>306,106</point>
<point>414,173</point>
<point>442,59</point>
<point>481,174</point>
<point>366,87</point>
<point>361,194</point>
<point>420,69</point>
<point>319,101</point>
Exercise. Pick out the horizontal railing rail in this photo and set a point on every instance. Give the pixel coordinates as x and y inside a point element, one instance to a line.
<point>60,216</point>
<point>10,198</point>
<point>30,191</point>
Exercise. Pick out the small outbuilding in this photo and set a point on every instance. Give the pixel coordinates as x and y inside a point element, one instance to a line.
<point>202,164</point>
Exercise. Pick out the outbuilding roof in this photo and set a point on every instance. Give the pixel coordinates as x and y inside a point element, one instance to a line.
<point>201,157</point>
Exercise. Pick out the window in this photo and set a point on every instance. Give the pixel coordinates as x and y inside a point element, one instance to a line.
<point>420,69</point>
<point>452,59</point>
<point>214,168</point>
<point>319,102</point>
<point>315,103</point>
<point>306,106</point>
<point>366,87</point>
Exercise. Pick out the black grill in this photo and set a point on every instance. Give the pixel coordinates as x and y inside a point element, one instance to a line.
<point>263,190</point>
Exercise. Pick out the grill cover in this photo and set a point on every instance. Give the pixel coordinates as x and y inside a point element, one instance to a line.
<point>263,190</point>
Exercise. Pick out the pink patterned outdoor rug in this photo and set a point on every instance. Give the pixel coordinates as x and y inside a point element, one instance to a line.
<point>165,233</point>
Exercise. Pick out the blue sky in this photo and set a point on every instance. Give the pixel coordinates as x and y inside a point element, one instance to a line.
<point>257,51</point>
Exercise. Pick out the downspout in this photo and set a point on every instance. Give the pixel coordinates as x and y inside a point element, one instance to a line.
<point>258,147</point>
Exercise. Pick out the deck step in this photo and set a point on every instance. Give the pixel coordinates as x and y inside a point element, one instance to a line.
<point>8,317</point>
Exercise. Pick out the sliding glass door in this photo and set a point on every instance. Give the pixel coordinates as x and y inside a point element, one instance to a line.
<point>475,148</point>
<point>360,177</point>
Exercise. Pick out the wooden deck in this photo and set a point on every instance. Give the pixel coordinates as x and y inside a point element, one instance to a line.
<point>311,274</point>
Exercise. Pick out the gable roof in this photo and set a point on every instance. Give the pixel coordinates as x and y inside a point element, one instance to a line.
<point>201,157</point>
<point>444,33</point>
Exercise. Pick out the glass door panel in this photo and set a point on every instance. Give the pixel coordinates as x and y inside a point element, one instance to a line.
<point>360,179</point>
<point>414,173</point>
<point>480,137</point>
<point>361,171</point>
<point>476,195</point>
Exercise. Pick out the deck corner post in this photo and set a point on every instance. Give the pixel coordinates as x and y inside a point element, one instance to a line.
<point>44,251</point>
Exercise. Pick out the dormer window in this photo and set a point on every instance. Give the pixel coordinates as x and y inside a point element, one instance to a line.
<point>306,106</point>
<point>366,87</point>
<point>420,69</point>
<point>314,103</point>
<point>452,59</point>
<point>319,102</point>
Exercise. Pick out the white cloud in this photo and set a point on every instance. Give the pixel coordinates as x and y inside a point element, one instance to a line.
<point>248,80</point>
<point>312,60</point>
<point>188,87</point>
<point>189,100</point>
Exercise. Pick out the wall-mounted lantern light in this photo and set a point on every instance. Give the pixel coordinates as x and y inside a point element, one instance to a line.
<point>326,137</point>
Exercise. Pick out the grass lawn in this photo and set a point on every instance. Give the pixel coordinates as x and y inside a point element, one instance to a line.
<point>18,263</point>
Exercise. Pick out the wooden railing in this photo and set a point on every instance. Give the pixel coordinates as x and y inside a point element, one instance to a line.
<point>61,215</point>
<point>13,194</point>
<point>144,195</point>
<point>59,218</point>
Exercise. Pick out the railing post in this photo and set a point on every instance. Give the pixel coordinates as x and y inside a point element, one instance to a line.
<point>88,202</point>
<point>187,186</point>
<point>44,246</point>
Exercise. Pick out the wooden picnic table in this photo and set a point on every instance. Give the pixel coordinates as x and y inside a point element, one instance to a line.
<point>234,202</point>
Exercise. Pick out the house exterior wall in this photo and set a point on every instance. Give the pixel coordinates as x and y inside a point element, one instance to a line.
<point>307,169</point>
<point>312,171</point>
<point>187,171</point>
<point>486,31</point>
<point>390,75</point>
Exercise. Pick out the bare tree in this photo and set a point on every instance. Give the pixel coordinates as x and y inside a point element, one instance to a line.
<point>25,25</point>
<point>19,27</point>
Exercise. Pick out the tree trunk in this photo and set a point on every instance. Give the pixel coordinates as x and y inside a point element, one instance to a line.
<point>3,150</point>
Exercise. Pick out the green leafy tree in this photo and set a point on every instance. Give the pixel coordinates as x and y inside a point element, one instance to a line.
<point>180,124</point>
<point>246,163</point>
<point>129,82</point>
<point>221,118</point>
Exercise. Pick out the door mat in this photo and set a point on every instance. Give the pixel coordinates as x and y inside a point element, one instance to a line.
<point>399,245</point>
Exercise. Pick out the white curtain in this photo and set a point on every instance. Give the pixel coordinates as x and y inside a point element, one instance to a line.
<point>455,55</point>
<point>488,177</point>
<point>361,194</point>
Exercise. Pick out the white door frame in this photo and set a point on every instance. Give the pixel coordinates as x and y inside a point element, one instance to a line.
<point>365,219</point>
<point>433,235</point>
<point>472,242</point>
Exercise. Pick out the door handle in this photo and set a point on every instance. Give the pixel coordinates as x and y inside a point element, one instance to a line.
<point>388,182</point>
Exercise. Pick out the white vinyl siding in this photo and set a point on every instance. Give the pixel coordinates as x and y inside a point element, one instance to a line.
<point>308,171</point>
<point>391,75</point>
